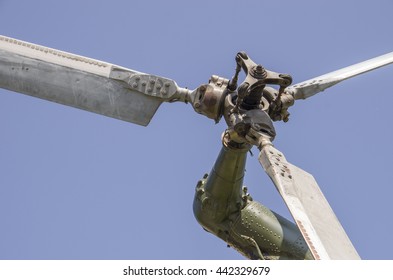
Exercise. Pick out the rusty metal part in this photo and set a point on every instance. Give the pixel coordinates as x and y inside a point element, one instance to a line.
<point>209,98</point>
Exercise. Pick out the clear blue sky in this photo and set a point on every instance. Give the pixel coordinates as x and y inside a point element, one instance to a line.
<point>76,185</point>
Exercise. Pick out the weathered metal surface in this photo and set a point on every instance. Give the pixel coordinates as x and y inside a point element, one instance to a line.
<point>311,87</point>
<point>208,99</point>
<point>312,213</point>
<point>84,83</point>
<point>223,207</point>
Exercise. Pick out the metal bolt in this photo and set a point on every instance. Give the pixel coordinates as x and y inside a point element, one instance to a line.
<point>201,191</point>
<point>258,72</point>
<point>202,88</point>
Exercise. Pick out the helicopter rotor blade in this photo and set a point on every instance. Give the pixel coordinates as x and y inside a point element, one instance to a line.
<point>84,83</point>
<point>313,86</point>
<point>312,213</point>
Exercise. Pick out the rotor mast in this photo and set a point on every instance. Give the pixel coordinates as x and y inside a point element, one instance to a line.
<point>224,208</point>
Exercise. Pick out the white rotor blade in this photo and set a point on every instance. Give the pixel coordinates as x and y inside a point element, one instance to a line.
<point>84,83</point>
<point>310,87</point>
<point>312,213</point>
